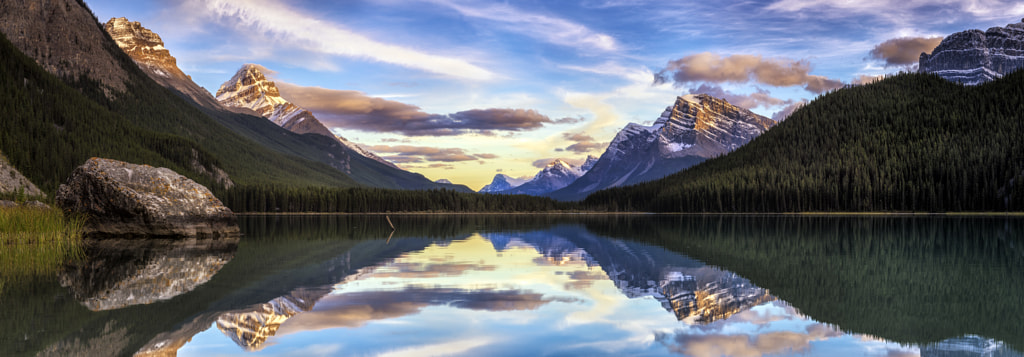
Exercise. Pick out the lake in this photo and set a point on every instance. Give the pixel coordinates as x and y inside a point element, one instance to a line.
<point>526,285</point>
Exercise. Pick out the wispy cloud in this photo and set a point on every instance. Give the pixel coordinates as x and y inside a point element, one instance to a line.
<point>902,10</point>
<point>550,29</point>
<point>760,97</point>
<point>414,154</point>
<point>277,20</point>
<point>582,143</point>
<point>714,68</point>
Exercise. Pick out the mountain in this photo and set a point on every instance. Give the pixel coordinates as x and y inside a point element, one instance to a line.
<point>502,182</point>
<point>973,57</point>
<point>72,117</point>
<point>910,142</point>
<point>64,38</point>
<point>250,89</point>
<point>554,176</point>
<point>695,128</point>
<point>147,50</point>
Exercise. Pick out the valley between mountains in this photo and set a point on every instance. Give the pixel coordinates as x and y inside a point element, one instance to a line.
<point>943,138</point>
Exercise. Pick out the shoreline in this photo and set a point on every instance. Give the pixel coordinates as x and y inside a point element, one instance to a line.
<point>585,213</point>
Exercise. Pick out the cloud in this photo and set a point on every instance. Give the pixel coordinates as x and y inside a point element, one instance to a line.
<point>904,51</point>
<point>278,20</point>
<point>789,109</point>
<point>867,79</point>
<point>713,68</point>
<point>583,143</point>
<point>900,10</point>
<point>414,154</point>
<point>545,28</point>
<point>355,110</point>
<point>577,137</point>
<point>760,98</point>
<point>542,163</point>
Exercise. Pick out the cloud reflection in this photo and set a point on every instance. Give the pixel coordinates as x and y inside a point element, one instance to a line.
<point>743,345</point>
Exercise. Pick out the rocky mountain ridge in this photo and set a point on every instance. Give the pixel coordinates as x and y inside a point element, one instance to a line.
<point>249,88</point>
<point>555,175</point>
<point>694,128</point>
<point>973,57</point>
<point>146,48</point>
<point>502,182</point>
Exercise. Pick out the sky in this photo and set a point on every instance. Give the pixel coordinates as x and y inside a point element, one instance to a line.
<point>466,89</point>
<point>468,297</point>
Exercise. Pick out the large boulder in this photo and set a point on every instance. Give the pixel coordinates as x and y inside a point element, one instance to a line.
<point>127,199</point>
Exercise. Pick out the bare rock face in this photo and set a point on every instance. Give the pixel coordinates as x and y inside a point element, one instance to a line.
<point>973,57</point>
<point>249,88</point>
<point>11,181</point>
<point>695,128</point>
<point>127,199</point>
<point>146,48</point>
<point>63,37</point>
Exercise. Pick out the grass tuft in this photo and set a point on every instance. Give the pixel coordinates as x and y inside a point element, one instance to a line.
<point>35,242</point>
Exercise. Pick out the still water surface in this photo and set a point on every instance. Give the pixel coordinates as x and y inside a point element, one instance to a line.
<point>541,285</point>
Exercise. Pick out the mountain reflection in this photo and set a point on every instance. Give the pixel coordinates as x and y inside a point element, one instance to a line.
<point>522,285</point>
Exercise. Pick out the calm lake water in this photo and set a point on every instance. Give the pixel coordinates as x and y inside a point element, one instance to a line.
<point>540,285</point>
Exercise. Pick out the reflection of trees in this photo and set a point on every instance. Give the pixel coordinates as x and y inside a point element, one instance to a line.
<point>907,279</point>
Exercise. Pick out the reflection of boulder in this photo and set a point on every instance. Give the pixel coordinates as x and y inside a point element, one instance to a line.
<point>128,199</point>
<point>119,273</point>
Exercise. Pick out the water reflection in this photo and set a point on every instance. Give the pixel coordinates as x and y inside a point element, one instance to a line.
<point>117,273</point>
<point>520,285</point>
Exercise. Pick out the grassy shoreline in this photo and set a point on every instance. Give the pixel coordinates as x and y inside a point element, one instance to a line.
<point>36,242</point>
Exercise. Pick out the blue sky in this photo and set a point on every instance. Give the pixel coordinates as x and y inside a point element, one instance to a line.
<point>464,89</point>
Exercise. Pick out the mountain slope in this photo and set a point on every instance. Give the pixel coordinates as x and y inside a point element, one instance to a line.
<point>502,182</point>
<point>555,175</point>
<point>694,128</point>
<point>147,50</point>
<point>911,142</point>
<point>972,57</point>
<point>145,123</point>
<point>250,89</point>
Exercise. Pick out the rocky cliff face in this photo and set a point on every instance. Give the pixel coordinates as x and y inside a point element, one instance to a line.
<point>64,38</point>
<point>128,199</point>
<point>973,57</point>
<point>12,181</point>
<point>695,128</point>
<point>147,50</point>
<point>250,89</point>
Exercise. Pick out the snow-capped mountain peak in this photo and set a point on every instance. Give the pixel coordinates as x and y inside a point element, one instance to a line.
<point>502,182</point>
<point>249,88</point>
<point>694,128</point>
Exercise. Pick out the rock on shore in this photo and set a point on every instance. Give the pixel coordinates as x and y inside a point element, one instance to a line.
<point>127,199</point>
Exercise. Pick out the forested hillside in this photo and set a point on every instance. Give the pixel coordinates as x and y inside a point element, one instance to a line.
<point>911,142</point>
<point>50,128</point>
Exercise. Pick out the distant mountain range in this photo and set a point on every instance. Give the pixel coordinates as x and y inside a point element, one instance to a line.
<point>555,175</point>
<point>973,57</point>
